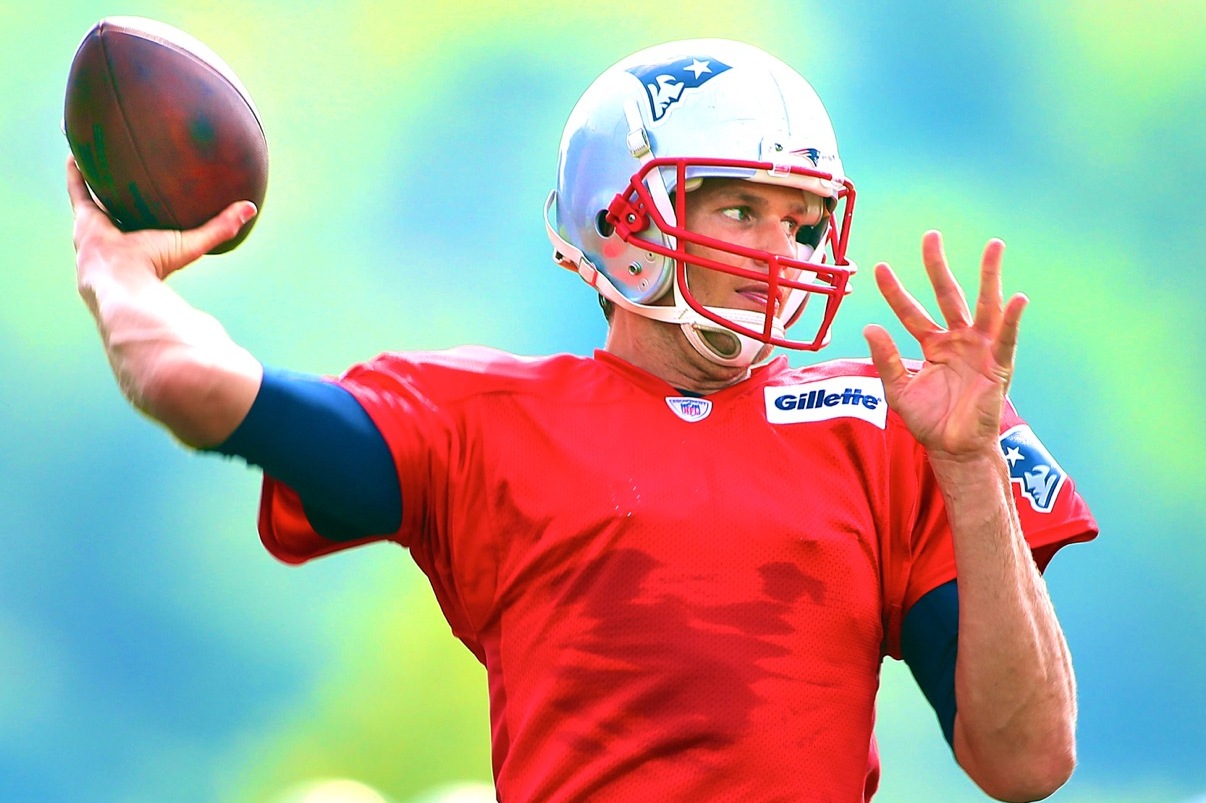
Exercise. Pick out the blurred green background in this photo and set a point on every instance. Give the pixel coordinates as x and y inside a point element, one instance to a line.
<point>150,650</point>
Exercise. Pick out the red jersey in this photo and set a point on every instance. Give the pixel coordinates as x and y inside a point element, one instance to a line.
<point>675,598</point>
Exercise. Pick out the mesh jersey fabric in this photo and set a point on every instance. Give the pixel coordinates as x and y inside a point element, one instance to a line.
<point>667,609</point>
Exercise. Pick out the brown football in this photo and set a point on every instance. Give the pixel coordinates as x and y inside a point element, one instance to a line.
<point>162,129</point>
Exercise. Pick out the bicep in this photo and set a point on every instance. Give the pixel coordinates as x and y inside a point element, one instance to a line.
<point>314,436</point>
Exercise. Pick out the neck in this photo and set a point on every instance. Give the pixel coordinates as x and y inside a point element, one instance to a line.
<point>662,349</point>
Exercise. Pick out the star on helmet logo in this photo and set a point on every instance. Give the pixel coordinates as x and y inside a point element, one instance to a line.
<point>666,83</point>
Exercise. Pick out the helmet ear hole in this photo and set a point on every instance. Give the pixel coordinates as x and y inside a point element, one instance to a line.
<point>604,228</point>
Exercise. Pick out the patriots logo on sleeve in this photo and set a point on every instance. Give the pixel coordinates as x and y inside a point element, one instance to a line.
<point>1032,467</point>
<point>666,83</point>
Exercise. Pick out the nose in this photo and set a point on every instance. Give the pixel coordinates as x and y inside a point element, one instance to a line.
<point>777,239</point>
<point>774,238</point>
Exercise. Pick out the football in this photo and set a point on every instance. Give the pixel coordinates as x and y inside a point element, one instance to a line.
<point>162,129</point>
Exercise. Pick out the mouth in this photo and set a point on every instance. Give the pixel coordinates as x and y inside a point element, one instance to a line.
<point>755,298</point>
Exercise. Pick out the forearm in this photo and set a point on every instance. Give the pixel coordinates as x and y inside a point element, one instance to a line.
<point>1014,685</point>
<point>172,361</point>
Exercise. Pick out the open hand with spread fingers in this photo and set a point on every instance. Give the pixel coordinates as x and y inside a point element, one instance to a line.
<point>953,404</point>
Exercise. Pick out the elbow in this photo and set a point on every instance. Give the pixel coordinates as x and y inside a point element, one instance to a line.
<point>1035,780</point>
<point>199,403</point>
<point>1026,773</point>
<point>170,394</point>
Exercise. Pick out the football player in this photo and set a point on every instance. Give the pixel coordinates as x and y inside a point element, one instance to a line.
<point>681,561</point>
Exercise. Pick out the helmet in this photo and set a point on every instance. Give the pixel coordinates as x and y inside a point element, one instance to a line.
<point>644,135</point>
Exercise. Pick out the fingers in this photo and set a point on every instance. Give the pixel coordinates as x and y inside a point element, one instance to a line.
<point>988,304</point>
<point>949,294</point>
<point>1005,345</point>
<point>914,317</point>
<point>89,219</point>
<point>886,358</point>
<point>77,190</point>
<point>195,243</point>
<point>951,300</point>
<point>82,202</point>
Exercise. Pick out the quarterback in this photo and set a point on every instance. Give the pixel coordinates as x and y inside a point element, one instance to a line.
<point>681,560</point>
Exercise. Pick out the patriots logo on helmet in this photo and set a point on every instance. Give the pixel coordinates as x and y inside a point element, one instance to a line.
<point>811,154</point>
<point>666,83</point>
<point>1032,467</point>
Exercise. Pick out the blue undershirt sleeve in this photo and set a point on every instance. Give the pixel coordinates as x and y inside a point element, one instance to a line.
<point>929,642</point>
<point>315,437</point>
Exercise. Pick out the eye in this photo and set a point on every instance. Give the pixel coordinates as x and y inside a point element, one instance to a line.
<point>741,214</point>
<point>790,226</point>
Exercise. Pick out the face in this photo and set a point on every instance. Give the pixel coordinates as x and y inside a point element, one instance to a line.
<point>765,217</point>
<point>759,217</point>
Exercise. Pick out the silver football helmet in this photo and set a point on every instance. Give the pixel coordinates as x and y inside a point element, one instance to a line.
<point>644,135</point>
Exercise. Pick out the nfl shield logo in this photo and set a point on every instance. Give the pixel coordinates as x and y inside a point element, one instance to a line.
<point>689,408</point>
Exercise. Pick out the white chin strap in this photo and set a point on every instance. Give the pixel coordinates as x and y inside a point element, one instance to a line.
<point>745,350</point>
<point>721,345</point>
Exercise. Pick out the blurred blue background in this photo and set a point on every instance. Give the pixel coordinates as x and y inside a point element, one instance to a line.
<point>150,650</point>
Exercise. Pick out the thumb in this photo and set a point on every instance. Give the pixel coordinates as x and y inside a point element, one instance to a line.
<point>885,356</point>
<point>195,243</point>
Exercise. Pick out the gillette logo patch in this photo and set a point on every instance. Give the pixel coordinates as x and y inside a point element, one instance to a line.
<point>840,397</point>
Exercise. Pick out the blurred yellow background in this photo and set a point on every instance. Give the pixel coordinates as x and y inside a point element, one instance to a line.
<point>150,650</point>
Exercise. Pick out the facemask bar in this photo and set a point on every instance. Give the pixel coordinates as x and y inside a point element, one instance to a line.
<point>631,211</point>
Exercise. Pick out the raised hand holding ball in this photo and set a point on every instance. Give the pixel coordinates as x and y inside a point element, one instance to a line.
<point>162,130</point>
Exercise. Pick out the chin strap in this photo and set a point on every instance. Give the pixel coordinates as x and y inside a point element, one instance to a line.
<point>742,351</point>
<point>641,150</point>
<point>742,354</point>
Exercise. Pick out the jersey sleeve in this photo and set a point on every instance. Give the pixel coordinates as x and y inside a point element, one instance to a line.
<point>420,408</point>
<point>420,437</point>
<point>921,556</point>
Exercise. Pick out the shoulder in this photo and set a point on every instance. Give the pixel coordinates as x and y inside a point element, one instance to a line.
<point>830,369</point>
<point>471,370</point>
<point>840,367</point>
<point>477,360</point>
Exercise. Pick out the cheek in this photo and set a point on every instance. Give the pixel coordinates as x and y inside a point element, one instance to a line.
<point>699,275</point>
<point>723,257</point>
<point>703,282</point>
